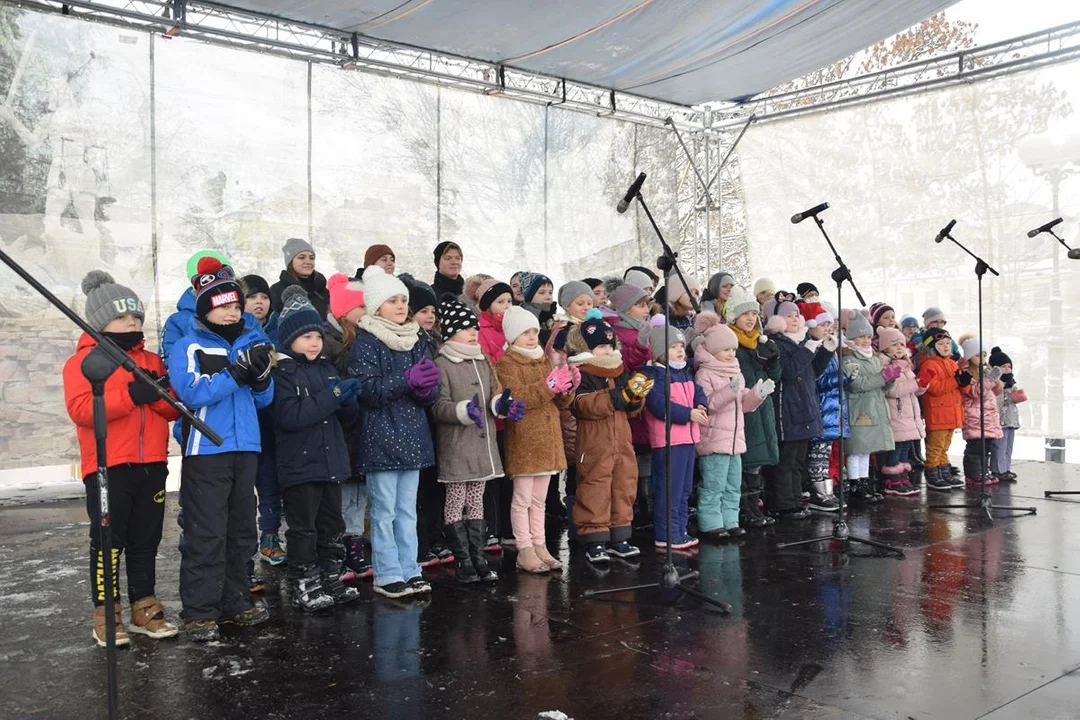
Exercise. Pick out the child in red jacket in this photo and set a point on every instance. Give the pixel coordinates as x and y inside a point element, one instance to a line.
<point>942,405</point>
<point>136,453</point>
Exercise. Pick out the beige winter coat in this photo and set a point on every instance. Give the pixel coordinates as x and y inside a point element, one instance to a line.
<point>466,452</point>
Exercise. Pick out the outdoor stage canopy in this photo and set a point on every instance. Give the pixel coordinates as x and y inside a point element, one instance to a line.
<point>685,52</point>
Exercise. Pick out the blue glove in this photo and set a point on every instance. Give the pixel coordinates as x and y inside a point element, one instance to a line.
<point>476,414</point>
<point>517,410</point>
<point>347,390</point>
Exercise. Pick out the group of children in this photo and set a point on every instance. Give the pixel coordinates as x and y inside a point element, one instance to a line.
<point>438,419</point>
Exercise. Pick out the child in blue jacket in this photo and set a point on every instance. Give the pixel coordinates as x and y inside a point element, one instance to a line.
<point>221,370</point>
<point>398,380</point>
<point>312,457</point>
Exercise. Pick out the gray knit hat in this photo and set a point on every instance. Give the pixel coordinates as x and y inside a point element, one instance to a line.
<point>106,300</point>
<point>572,290</point>
<point>293,247</point>
<point>625,297</point>
<point>738,304</point>
<point>656,340</point>
<point>858,326</point>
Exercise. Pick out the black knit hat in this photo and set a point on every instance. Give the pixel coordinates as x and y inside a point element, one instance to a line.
<point>254,284</point>
<point>595,331</point>
<point>931,337</point>
<point>593,282</point>
<point>804,287</point>
<point>999,358</point>
<point>455,316</point>
<point>492,294</point>
<point>420,293</point>
<point>214,285</point>
<point>441,249</point>
<point>298,316</point>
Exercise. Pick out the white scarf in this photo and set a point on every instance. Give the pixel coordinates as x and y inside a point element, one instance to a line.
<point>532,353</point>
<point>460,352</point>
<point>396,337</point>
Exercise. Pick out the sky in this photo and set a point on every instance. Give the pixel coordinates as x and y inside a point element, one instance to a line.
<point>1000,19</point>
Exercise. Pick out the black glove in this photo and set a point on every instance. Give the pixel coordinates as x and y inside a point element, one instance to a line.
<point>261,356</point>
<point>143,393</point>
<point>963,379</point>
<point>241,369</point>
<point>618,400</point>
<point>767,353</point>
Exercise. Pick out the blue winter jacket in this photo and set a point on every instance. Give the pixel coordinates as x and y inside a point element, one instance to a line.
<point>829,400</point>
<point>394,433</point>
<point>798,415</point>
<point>198,373</point>
<point>307,416</point>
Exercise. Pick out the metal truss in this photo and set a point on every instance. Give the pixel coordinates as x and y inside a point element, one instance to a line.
<point>1046,47</point>
<point>223,25</point>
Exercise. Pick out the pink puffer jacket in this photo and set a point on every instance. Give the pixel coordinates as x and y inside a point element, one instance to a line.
<point>634,355</point>
<point>991,418</point>
<point>905,413</point>
<point>726,432</point>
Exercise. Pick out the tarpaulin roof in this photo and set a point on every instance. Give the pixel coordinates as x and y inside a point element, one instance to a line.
<point>680,51</point>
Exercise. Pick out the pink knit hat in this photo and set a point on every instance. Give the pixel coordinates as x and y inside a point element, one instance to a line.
<point>715,335</point>
<point>887,337</point>
<point>345,295</point>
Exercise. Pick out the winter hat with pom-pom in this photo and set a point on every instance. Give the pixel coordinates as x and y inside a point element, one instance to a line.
<point>380,286</point>
<point>596,331</point>
<point>657,344</point>
<point>715,335</point>
<point>858,326</point>
<point>878,312</point>
<point>472,285</point>
<point>738,304</point>
<point>215,285</point>
<point>969,348</point>
<point>810,310</point>
<point>107,300</point>
<point>887,337</point>
<point>345,294</point>
<point>490,291</point>
<point>193,261</point>
<point>764,285</point>
<point>531,282</point>
<point>677,289</point>
<point>822,318</point>
<point>999,358</point>
<point>297,317</point>
<point>516,321</point>
<point>421,295</point>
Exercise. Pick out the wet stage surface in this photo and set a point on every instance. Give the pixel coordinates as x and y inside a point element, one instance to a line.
<point>976,621</point>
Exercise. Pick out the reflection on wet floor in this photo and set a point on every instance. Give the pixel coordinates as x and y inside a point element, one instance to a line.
<point>973,622</point>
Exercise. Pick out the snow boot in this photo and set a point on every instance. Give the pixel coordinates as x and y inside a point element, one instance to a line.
<point>122,638</point>
<point>148,618</point>
<point>333,586</point>
<point>308,590</point>
<point>458,535</point>
<point>821,497</point>
<point>477,532</point>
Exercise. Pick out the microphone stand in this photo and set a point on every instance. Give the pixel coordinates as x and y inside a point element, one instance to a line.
<point>98,365</point>
<point>985,502</point>
<point>841,538</point>
<point>670,578</point>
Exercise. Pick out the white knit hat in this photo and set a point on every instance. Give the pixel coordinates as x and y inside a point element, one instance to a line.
<point>380,286</point>
<point>970,348</point>
<point>764,284</point>
<point>516,321</point>
<point>738,304</point>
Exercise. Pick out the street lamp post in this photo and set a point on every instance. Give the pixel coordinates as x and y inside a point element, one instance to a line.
<point>1054,162</point>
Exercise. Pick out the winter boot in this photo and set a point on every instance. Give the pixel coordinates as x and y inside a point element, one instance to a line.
<point>308,591</point>
<point>355,562</point>
<point>99,626</point>
<point>270,550</point>
<point>938,478</point>
<point>862,492</point>
<point>821,498</point>
<point>546,557</point>
<point>458,536</point>
<point>333,586</point>
<point>750,514</point>
<point>529,562</point>
<point>477,530</point>
<point>918,460</point>
<point>891,475</point>
<point>148,618</point>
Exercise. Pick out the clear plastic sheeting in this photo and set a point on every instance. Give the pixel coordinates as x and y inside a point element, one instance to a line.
<point>895,173</point>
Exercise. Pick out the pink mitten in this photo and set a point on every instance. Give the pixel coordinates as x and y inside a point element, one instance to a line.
<point>575,378</point>
<point>890,373</point>
<point>558,381</point>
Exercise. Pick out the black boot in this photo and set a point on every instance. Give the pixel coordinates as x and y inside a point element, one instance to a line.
<point>330,574</point>
<point>308,590</point>
<point>477,530</point>
<point>458,536</point>
<point>750,515</point>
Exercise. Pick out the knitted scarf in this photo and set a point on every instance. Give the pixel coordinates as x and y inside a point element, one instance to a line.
<point>532,353</point>
<point>459,352</point>
<point>396,337</point>
<point>748,340</point>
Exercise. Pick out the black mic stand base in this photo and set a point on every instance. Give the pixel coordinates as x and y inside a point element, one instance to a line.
<point>987,506</point>
<point>840,534</point>
<point>1052,493</point>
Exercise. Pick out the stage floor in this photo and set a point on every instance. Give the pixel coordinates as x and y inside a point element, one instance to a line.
<point>975,622</point>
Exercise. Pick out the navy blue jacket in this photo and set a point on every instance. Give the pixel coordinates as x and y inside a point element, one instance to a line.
<point>798,414</point>
<point>394,432</point>
<point>829,400</point>
<point>198,372</point>
<point>308,437</point>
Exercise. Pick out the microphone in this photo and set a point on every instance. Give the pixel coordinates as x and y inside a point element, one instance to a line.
<point>812,212</point>
<point>1043,228</point>
<point>635,188</point>
<point>1074,254</point>
<point>945,231</point>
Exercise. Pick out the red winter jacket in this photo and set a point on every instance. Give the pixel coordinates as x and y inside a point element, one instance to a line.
<point>136,434</point>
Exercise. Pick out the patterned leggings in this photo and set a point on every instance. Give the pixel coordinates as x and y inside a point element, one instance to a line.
<point>464,501</point>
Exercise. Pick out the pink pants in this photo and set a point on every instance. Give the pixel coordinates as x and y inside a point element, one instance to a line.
<point>527,509</point>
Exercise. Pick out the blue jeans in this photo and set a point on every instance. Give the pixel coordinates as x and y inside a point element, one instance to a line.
<point>354,505</point>
<point>682,482</point>
<point>269,492</point>
<point>900,454</point>
<point>393,524</point>
<point>720,492</point>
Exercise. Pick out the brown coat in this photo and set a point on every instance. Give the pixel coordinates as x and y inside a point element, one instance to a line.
<point>534,444</point>
<point>466,453</point>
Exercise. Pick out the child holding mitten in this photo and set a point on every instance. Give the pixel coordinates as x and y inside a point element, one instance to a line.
<point>310,403</point>
<point>867,411</point>
<point>905,415</point>
<point>222,370</point>
<point>470,398</point>
<point>607,470</point>
<point>534,449</point>
<point>136,452</point>
<point>982,423</point>
<point>723,436</point>
<point>398,380</point>
<point>688,412</point>
<point>1010,396</point>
